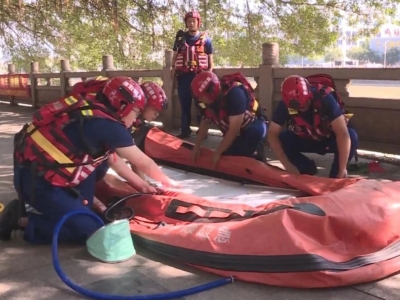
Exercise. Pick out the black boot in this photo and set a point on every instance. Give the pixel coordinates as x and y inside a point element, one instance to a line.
<point>184,135</point>
<point>9,220</point>
<point>312,169</point>
<point>260,153</point>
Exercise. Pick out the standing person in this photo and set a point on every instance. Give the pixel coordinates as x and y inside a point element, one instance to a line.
<point>193,53</point>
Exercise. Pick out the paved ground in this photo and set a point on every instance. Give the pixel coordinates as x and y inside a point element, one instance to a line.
<point>26,271</point>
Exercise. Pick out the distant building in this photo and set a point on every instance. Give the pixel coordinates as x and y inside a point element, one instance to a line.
<point>388,35</point>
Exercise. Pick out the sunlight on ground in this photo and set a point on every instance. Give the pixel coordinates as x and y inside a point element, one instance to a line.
<point>5,287</point>
<point>379,154</point>
<point>392,282</point>
<point>105,269</point>
<point>379,92</point>
<point>18,104</point>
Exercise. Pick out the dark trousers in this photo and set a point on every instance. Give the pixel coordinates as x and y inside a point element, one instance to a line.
<point>294,145</point>
<point>249,140</point>
<point>53,203</point>
<point>185,100</point>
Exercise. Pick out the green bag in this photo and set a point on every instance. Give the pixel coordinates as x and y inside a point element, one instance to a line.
<point>112,243</point>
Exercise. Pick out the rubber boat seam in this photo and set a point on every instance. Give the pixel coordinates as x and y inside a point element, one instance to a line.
<point>266,263</point>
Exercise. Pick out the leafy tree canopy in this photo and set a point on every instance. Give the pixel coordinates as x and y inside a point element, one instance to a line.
<point>136,32</point>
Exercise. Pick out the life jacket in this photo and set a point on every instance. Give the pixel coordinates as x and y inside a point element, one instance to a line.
<point>254,110</point>
<point>321,127</point>
<point>90,86</point>
<point>191,58</point>
<point>44,145</point>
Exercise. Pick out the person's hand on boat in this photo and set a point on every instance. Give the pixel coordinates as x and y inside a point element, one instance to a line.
<point>147,188</point>
<point>342,174</point>
<point>152,184</point>
<point>215,158</point>
<point>171,184</point>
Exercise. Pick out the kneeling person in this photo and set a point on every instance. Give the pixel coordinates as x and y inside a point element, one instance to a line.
<point>230,104</point>
<point>156,103</point>
<point>56,158</point>
<point>317,124</point>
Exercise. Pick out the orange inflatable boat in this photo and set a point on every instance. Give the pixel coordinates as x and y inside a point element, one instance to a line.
<point>287,230</point>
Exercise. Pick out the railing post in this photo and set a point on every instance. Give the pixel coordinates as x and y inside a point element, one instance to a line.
<point>270,59</point>
<point>34,81</point>
<point>64,81</point>
<point>11,71</point>
<point>168,116</point>
<point>108,64</point>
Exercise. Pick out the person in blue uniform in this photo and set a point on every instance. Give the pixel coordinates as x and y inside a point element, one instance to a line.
<point>230,104</point>
<point>316,122</point>
<point>56,157</point>
<point>193,53</point>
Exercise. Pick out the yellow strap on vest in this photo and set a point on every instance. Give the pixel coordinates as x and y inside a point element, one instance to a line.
<point>255,105</point>
<point>101,78</point>
<point>348,115</point>
<point>54,152</point>
<point>71,100</point>
<point>87,112</point>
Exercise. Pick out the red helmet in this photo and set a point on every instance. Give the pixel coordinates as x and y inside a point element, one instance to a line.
<point>155,96</point>
<point>193,14</point>
<point>296,91</point>
<point>124,94</point>
<point>206,84</point>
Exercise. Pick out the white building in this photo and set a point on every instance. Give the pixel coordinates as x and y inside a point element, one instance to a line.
<point>388,35</point>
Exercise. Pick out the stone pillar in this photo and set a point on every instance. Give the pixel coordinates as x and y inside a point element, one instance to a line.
<point>270,54</point>
<point>108,62</point>
<point>167,117</point>
<point>34,67</point>
<point>65,66</point>
<point>270,60</point>
<point>11,69</point>
<point>64,81</point>
<point>34,81</point>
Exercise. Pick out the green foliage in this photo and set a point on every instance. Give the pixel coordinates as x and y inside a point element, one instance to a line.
<point>364,54</point>
<point>333,55</point>
<point>392,56</point>
<point>137,32</point>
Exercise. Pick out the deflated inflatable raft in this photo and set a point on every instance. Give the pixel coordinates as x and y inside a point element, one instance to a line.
<point>305,232</point>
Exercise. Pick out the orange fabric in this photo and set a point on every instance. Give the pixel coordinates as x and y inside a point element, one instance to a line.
<point>161,145</point>
<point>361,218</point>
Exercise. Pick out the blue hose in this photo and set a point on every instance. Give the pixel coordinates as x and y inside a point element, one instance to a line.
<point>96,295</point>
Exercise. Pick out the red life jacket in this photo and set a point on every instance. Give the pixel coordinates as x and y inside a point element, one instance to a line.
<point>89,86</point>
<point>253,111</point>
<point>44,144</point>
<point>191,58</point>
<point>321,127</point>
<point>325,80</point>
